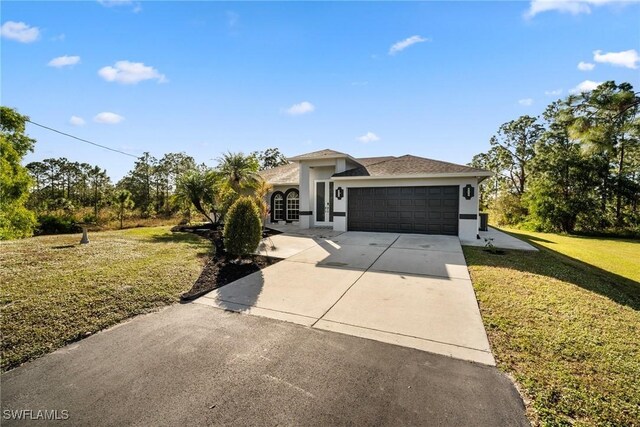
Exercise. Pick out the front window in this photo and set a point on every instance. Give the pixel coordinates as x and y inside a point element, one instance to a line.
<point>293,206</point>
<point>278,207</point>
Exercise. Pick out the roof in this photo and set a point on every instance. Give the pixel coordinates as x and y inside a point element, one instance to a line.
<point>322,154</point>
<point>285,174</point>
<point>386,166</point>
<point>288,174</point>
<point>409,165</point>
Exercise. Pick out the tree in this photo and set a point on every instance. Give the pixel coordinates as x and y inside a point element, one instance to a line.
<point>606,120</point>
<point>562,176</point>
<point>243,228</point>
<point>238,170</point>
<point>514,148</point>
<point>123,203</point>
<point>261,189</point>
<point>198,187</point>
<point>270,158</point>
<point>15,219</point>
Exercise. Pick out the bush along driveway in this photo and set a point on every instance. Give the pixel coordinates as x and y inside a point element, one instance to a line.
<point>565,330</point>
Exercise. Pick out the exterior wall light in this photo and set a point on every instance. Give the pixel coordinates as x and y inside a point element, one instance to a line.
<point>339,193</point>
<point>468,191</point>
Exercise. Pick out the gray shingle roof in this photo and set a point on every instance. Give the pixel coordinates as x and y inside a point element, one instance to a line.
<point>322,154</point>
<point>409,165</point>
<point>372,166</point>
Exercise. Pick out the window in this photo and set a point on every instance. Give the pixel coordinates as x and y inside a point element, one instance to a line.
<point>278,207</point>
<point>293,205</point>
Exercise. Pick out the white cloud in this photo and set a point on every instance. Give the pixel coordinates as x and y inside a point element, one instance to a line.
<point>585,86</point>
<point>573,7</point>
<point>76,121</point>
<point>112,3</point>
<point>554,92</point>
<point>126,72</point>
<point>627,58</point>
<point>302,108</point>
<point>108,118</point>
<point>19,31</point>
<point>64,61</point>
<point>368,137</point>
<point>403,44</point>
<point>526,102</point>
<point>232,18</point>
<point>585,66</point>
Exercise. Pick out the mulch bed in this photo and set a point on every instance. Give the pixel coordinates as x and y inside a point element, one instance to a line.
<point>222,269</point>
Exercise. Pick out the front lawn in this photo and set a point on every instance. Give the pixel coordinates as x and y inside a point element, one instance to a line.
<point>55,291</point>
<point>618,256</point>
<point>565,330</point>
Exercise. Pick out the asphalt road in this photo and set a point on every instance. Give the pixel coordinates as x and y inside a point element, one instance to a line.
<point>196,365</point>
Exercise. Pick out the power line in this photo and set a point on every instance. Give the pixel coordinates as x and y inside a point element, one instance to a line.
<point>83,140</point>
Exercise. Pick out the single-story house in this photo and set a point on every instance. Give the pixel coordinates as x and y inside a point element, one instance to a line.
<point>406,194</point>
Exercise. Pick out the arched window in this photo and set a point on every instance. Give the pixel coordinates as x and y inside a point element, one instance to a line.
<point>277,206</point>
<point>293,205</point>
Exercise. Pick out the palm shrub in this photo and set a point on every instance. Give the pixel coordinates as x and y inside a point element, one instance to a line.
<point>242,228</point>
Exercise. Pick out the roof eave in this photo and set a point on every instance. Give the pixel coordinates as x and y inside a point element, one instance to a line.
<point>413,176</point>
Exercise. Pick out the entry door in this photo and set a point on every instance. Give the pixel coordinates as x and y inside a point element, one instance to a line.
<point>324,202</point>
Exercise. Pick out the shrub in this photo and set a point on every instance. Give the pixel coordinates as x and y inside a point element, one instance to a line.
<point>507,209</point>
<point>56,224</point>
<point>242,228</point>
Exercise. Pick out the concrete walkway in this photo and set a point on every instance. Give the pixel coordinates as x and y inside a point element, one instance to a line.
<point>190,365</point>
<point>500,240</point>
<point>409,290</point>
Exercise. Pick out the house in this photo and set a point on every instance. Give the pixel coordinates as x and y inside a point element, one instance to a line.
<point>407,194</point>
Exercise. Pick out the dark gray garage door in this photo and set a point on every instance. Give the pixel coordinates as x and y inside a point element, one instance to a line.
<point>426,210</point>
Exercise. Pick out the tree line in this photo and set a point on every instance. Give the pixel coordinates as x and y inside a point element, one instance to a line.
<point>54,194</point>
<point>574,168</point>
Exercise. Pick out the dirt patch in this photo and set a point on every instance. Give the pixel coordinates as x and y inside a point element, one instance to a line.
<point>223,269</point>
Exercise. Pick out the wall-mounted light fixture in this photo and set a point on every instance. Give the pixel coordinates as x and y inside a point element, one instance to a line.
<point>468,192</point>
<point>339,193</point>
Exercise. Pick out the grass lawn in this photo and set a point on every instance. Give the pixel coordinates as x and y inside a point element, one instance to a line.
<point>565,324</point>
<point>55,291</point>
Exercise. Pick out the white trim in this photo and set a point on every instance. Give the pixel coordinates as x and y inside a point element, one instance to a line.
<point>409,176</point>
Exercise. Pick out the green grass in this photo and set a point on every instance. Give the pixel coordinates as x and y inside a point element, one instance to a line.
<point>565,330</point>
<point>618,256</point>
<point>55,291</point>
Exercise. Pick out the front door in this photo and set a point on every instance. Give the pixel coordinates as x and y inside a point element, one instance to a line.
<point>324,203</point>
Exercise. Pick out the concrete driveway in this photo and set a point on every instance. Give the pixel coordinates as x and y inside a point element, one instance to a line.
<point>404,289</point>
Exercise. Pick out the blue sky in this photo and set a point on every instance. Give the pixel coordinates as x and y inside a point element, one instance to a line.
<point>205,77</point>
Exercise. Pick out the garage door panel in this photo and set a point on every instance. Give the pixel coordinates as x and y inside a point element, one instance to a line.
<point>424,209</point>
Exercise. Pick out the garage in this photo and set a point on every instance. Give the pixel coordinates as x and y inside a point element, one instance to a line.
<point>423,209</point>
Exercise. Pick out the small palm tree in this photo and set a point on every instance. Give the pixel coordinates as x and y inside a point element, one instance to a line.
<point>123,203</point>
<point>238,170</point>
<point>198,188</point>
<point>260,190</point>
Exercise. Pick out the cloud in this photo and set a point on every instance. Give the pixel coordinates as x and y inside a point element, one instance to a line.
<point>302,108</point>
<point>585,66</point>
<point>554,92</point>
<point>627,58</point>
<point>58,38</point>
<point>108,118</point>
<point>585,86</point>
<point>573,7</point>
<point>526,102</point>
<point>232,18</point>
<point>19,31</point>
<point>64,61</point>
<point>126,72</point>
<point>403,44</point>
<point>368,137</point>
<point>115,3</point>
<point>77,121</point>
